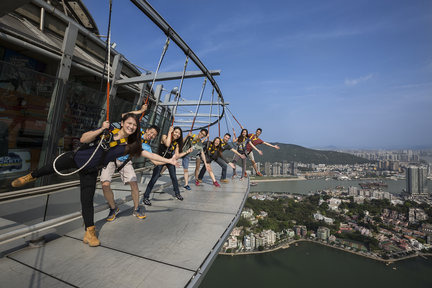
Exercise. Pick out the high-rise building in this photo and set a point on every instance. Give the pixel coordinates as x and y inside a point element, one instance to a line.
<point>285,168</point>
<point>267,168</point>
<point>276,168</point>
<point>416,181</point>
<point>323,233</point>
<point>293,168</point>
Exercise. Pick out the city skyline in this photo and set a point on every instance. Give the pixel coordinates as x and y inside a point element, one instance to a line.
<point>349,75</point>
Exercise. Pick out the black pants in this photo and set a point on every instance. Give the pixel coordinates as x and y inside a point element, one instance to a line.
<point>87,183</point>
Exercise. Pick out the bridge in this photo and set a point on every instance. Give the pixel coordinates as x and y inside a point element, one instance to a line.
<point>173,247</point>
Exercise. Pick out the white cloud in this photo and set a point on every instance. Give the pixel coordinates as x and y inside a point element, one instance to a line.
<point>354,82</point>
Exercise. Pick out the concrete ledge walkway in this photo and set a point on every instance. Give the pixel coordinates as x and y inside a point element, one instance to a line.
<point>173,247</point>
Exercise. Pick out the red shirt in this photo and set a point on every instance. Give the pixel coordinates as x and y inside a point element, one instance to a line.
<point>255,141</point>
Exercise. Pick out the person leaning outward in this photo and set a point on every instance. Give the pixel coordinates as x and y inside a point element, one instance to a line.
<point>124,141</point>
<point>213,152</point>
<point>221,161</point>
<point>127,174</point>
<point>255,140</point>
<point>242,141</point>
<point>191,141</point>
<point>171,144</point>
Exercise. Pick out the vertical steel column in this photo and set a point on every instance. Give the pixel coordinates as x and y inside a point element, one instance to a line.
<point>117,66</point>
<point>58,98</point>
<point>157,95</point>
<point>57,105</point>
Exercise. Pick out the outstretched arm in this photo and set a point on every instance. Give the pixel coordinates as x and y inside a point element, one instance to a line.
<point>90,136</point>
<point>182,154</point>
<point>137,112</point>
<point>270,145</point>
<point>159,160</point>
<point>166,139</point>
<point>242,156</point>
<point>235,137</point>
<point>253,146</point>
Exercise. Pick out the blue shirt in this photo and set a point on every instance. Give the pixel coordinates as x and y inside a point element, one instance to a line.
<point>144,146</point>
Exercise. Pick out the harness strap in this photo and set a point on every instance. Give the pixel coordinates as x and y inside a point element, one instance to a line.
<point>123,164</point>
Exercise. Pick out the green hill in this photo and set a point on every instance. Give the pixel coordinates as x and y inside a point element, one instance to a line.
<point>291,152</point>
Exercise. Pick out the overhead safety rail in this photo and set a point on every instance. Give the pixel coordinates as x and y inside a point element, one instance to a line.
<point>157,19</point>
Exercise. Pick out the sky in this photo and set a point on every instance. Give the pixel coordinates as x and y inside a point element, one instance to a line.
<point>347,74</point>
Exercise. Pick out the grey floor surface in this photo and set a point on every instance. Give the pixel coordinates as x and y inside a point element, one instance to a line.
<point>167,249</point>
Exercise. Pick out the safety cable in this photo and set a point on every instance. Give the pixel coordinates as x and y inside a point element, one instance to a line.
<point>82,167</point>
<point>155,74</point>
<point>179,89</point>
<point>199,103</point>
<point>219,115</point>
<point>109,62</point>
<point>106,49</point>
<point>234,117</point>
<point>211,106</point>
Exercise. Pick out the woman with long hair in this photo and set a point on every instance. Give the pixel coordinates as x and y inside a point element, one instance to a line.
<point>242,141</point>
<point>116,143</point>
<point>212,153</point>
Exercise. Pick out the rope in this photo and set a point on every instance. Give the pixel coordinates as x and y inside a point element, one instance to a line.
<point>179,89</point>
<point>234,117</point>
<point>109,60</point>
<point>155,75</point>
<point>82,167</point>
<point>219,116</point>
<point>226,122</point>
<point>211,106</point>
<point>199,103</point>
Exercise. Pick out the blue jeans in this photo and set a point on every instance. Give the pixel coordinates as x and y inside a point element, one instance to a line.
<point>155,176</point>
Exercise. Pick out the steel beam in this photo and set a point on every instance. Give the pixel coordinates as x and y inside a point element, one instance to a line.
<point>189,103</point>
<point>163,77</point>
<point>198,115</point>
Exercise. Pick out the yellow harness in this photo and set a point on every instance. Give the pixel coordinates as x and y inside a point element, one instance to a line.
<point>111,141</point>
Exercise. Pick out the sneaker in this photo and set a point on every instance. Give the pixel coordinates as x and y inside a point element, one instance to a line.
<point>112,214</point>
<point>187,187</point>
<point>139,213</point>
<point>179,197</point>
<point>197,183</point>
<point>224,181</point>
<point>23,180</point>
<point>241,179</point>
<point>259,174</point>
<point>216,184</point>
<point>147,202</point>
<point>200,180</point>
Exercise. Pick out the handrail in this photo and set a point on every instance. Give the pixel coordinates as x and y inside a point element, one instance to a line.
<point>157,19</point>
<point>49,189</point>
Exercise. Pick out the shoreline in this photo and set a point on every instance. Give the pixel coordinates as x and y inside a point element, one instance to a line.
<point>278,180</point>
<point>287,245</point>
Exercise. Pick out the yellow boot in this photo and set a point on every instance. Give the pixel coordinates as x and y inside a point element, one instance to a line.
<point>23,180</point>
<point>90,237</point>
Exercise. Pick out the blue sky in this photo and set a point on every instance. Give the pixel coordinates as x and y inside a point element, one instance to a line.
<point>350,74</point>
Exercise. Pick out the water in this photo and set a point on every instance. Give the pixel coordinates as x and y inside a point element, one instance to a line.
<point>306,186</point>
<point>314,265</point>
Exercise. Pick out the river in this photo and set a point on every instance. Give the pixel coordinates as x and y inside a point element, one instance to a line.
<point>314,265</point>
